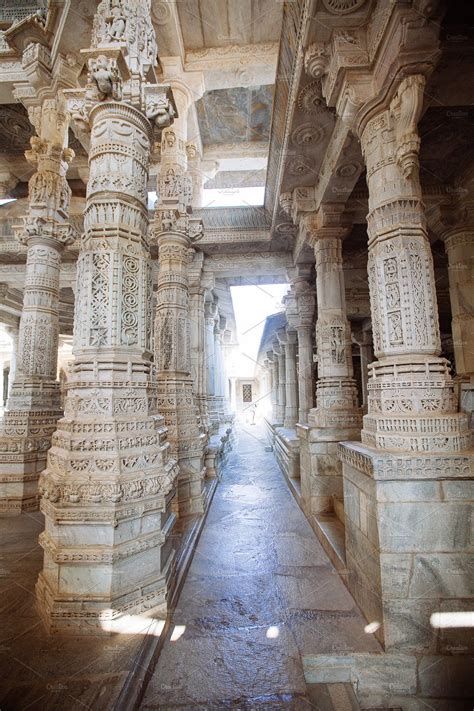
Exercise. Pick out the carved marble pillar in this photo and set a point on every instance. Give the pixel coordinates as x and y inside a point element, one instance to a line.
<point>336,416</point>
<point>274,380</point>
<point>336,390</point>
<point>288,341</point>
<point>281,379</point>
<point>366,357</point>
<point>305,370</point>
<point>197,336</point>
<point>33,406</point>
<point>221,389</point>
<point>300,317</point>
<point>412,466</point>
<point>107,489</point>
<point>176,231</point>
<point>408,379</point>
<point>210,315</point>
<point>459,245</point>
<point>218,368</point>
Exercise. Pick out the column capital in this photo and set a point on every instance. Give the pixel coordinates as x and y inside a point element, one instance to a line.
<point>287,336</point>
<point>453,221</point>
<point>328,222</point>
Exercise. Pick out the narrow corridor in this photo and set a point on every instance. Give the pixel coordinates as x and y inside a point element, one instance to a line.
<point>260,593</point>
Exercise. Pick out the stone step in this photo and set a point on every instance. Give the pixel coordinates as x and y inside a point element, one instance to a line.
<point>338,503</point>
<point>331,534</point>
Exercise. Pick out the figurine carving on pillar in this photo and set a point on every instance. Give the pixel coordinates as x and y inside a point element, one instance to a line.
<point>406,109</point>
<point>116,22</point>
<point>160,112</point>
<point>104,80</point>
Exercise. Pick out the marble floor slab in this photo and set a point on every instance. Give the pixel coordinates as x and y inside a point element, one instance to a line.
<point>260,592</point>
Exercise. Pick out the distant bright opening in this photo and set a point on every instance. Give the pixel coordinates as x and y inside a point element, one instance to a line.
<point>233,197</point>
<point>252,305</point>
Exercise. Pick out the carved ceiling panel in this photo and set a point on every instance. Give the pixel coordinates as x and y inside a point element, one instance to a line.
<point>232,115</point>
<point>219,23</point>
<point>15,129</point>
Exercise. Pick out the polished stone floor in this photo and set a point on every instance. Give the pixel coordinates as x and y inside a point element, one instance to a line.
<point>260,593</point>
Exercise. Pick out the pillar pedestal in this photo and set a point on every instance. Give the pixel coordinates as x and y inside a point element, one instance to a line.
<point>406,487</point>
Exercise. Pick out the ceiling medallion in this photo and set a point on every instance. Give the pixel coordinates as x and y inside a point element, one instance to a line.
<point>285,228</point>
<point>299,166</point>
<point>308,134</point>
<point>347,170</point>
<point>161,13</point>
<point>311,99</point>
<point>343,7</point>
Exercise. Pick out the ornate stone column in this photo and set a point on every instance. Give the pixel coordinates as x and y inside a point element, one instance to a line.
<point>279,351</point>
<point>107,489</point>
<point>33,406</point>
<point>300,317</point>
<point>336,390</point>
<point>288,340</point>
<point>172,356</point>
<point>459,245</point>
<point>408,379</point>
<point>197,293</point>
<point>176,231</point>
<point>411,460</point>
<point>220,370</point>
<point>336,415</point>
<point>274,379</point>
<point>210,315</point>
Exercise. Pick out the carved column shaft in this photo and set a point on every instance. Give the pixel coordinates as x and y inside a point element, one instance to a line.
<point>209,322</point>
<point>459,245</point>
<point>280,357</point>
<point>197,345</point>
<point>409,379</point>
<point>305,371</point>
<point>33,406</point>
<point>274,381</point>
<point>291,384</point>
<point>177,400</point>
<point>336,390</point>
<point>109,480</point>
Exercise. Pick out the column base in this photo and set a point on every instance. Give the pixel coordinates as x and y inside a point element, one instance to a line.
<point>412,407</point>
<point>25,438</point>
<point>408,544</point>
<point>103,562</point>
<point>113,585</point>
<point>176,402</point>
<point>320,467</point>
<point>190,488</point>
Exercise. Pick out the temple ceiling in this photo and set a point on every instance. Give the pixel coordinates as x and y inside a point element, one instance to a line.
<point>220,23</point>
<point>240,114</point>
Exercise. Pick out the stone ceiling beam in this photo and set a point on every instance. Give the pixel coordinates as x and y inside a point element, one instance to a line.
<point>235,65</point>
